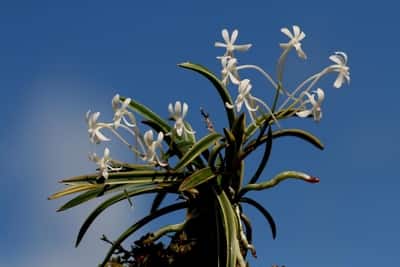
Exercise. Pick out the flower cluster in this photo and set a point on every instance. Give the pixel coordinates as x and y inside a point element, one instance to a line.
<point>303,101</point>
<point>145,147</point>
<point>298,99</point>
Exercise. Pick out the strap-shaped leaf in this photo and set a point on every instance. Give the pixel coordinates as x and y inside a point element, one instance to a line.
<point>128,175</point>
<point>73,189</point>
<point>149,114</point>
<point>222,91</point>
<point>142,180</point>
<point>264,159</point>
<point>263,211</point>
<point>304,135</point>
<point>160,196</point>
<point>197,178</point>
<point>142,222</point>
<point>277,179</point>
<point>88,195</point>
<point>238,129</point>
<point>260,121</point>
<point>213,155</point>
<point>198,148</point>
<point>230,227</point>
<point>111,201</point>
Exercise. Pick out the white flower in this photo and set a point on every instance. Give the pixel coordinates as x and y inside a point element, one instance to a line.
<point>244,96</point>
<point>177,113</point>
<point>230,43</point>
<point>250,102</point>
<point>94,128</point>
<point>295,39</point>
<point>229,71</point>
<point>315,110</point>
<point>340,58</point>
<point>104,163</point>
<point>151,147</point>
<point>121,110</point>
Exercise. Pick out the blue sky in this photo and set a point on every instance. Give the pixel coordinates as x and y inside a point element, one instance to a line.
<point>60,58</point>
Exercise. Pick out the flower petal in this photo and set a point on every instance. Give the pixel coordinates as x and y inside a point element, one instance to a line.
<point>304,113</point>
<point>301,36</point>
<point>171,110</point>
<point>115,102</point>
<point>178,108</point>
<point>242,48</point>
<point>160,137</point>
<point>286,32</point>
<point>106,153</point>
<point>234,36</point>
<point>225,36</point>
<point>185,109</point>
<point>148,138</point>
<point>343,55</point>
<point>296,31</point>
<point>336,59</point>
<point>100,136</point>
<point>339,81</point>
<point>219,44</point>
<point>321,95</point>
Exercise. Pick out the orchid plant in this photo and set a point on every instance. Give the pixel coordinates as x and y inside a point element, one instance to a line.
<point>207,175</point>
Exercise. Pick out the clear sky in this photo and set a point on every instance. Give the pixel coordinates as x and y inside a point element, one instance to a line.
<point>60,58</point>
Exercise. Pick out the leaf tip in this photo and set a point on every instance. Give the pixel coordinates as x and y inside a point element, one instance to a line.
<point>312,180</point>
<point>184,64</point>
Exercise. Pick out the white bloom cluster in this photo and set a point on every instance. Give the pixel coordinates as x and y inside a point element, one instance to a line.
<point>104,163</point>
<point>296,100</point>
<point>146,147</point>
<point>230,72</point>
<point>177,113</point>
<point>303,101</point>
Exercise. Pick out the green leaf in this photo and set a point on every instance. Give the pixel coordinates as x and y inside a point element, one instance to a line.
<point>222,91</point>
<point>277,179</point>
<point>160,196</point>
<point>137,190</point>
<point>149,114</point>
<point>88,195</point>
<point>264,160</point>
<point>196,150</point>
<point>197,178</point>
<point>263,211</point>
<point>238,129</point>
<point>145,220</point>
<point>73,189</point>
<point>229,223</point>
<point>304,135</point>
<point>213,155</point>
<point>136,176</point>
<point>260,121</point>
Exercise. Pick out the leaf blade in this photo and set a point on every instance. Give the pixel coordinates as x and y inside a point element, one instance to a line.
<point>222,91</point>
<point>263,211</point>
<point>196,150</point>
<point>197,178</point>
<point>111,201</point>
<point>149,114</point>
<point>73,189</point>
<point>229,225</point>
